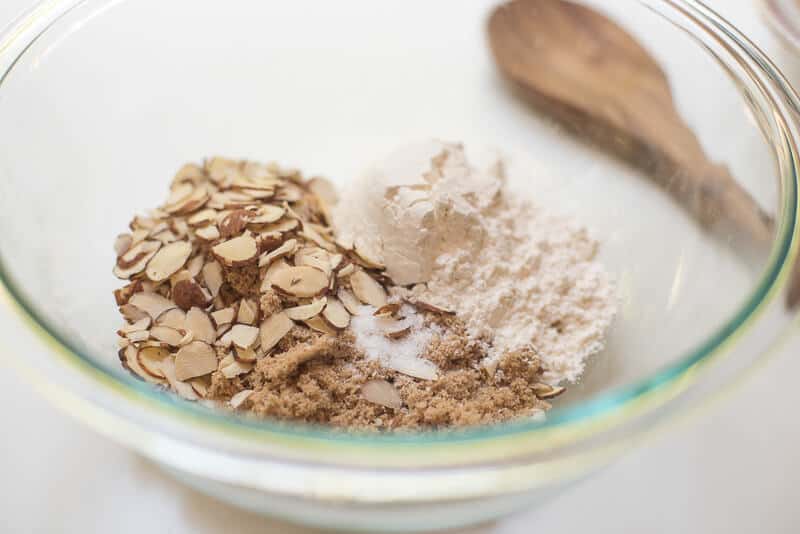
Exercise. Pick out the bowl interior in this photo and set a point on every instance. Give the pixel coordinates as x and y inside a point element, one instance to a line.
<point>101,110</point>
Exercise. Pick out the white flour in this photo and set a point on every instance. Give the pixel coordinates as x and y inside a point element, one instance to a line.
<point>515,274</point>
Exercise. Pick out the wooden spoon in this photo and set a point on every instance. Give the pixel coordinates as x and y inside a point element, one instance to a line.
<point>581,68</point>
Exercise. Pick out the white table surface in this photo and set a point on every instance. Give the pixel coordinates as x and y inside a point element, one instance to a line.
<point>735,470</point>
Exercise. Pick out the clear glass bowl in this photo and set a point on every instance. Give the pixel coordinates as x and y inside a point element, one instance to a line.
<point>102,100</point>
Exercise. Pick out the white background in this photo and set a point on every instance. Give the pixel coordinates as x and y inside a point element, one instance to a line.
<point>735,469</point>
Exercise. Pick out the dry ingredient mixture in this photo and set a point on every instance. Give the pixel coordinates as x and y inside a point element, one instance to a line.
<point>433,301</point>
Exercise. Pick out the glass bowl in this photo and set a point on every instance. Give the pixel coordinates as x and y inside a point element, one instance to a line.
<point>102,100</point>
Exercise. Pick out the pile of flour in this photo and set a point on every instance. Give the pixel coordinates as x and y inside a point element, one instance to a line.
<point>451,236</point>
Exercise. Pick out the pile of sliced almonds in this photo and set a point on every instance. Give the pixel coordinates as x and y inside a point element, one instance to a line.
<point>185,321</point>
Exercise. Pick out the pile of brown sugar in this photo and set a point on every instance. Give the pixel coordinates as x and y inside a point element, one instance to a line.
<point>239,293</point>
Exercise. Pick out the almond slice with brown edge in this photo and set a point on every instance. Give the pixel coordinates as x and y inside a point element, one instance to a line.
<point>195,265</point>
<point>136,259</point>
<point>224,339</point>
<point>244,355</point>
<point>122,243</point>
<point>137,326</point>
<point>223,316</point>
<point>335,314</point>
<point>194,202</point>
<point>546,391</point>
<point>168,335</point>
<point>169,368</point>
<point>150,359</point>
<point>289,193</point>
<point>272,272</point>
<point>151,303</point>
<point>415,367</point>
<point>273,329</point>
<point>208,233</point>
<point>369,257</point>
<point>301,281</point>
<point>212,276</point>
<point>244,336</point>
<point>237,251</point>
<point>319,324</point>
<point>179,193</point>
<point>286,225</point>
<point>235,369</point>
<point>168,260</point>
<point>248,312</point>
<point>202,218</point>
<point>383,393</point>
<point>367,289</point>
<point>195,359</point>
<point>311,233</point>
<point>335,260</point>
<point>307,311</point>
<point>188,294</point>
<point>347,270</point>
<point>131,313</point>
<point>173,318</point>
<point>398,334</point>
<point>324,189</point>
<point>315,261</point>
<point>130,360</point>
<point>388,310</point>
<point>267,214</point>
<point>239,398</point>
<point>349,301</point>
<point>426,306</point>
<point>138,336</point>
<point>199,323</point>
<point>286,248</point>
<point>201,385</point>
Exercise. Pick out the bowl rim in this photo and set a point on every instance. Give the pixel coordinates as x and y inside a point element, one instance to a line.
<point>620,404</point>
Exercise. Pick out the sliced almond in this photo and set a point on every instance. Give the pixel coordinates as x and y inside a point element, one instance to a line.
<point>335,314</point>
<point>195,359</point>
<point>426,306</point>
<point>370,257</point>
<point>248,312</point>
<point>244,335</point>
<point>324,189</point>
<point>267,214</point>
<point>286,225</point>
<point>546,391</point>
<point>131,313</point>
<point>289,193</point>
<point>173,318</point>
<point>139,235</point>
<point>150,359</point>
<point>202,218</point>
<point>416,367</point>
<point>235,369</point>
<point>208,233</point>
<point>152,304</point>
<point>387,310</point>
<point>224,339</point>
<point>345,242</point>
<point>314,257</point>
<point>272,272</point>
<point>367,289</point>
<point>188,294</point>
<point>199,323</point>
<point>122,243</point>
<point>349,301</point>
<point>193,202</point>
<point>347,270</point>
<point>239,398</point>
<point>180,192</point>
<point>273,329</point>
<point>318,324</point>
<point>168,260</point>
<point>123,294</point>
<point>224,316</point>
<point>138,336</point>
<point>137,326</point>
<point>286,248</point>
<point>212,276</point>
<point>310,232</point>
<point>301,281</point>
<point>169,368</point>
<point>243,355</point>
<point>201,385</point>
<point>136,259</point>
<point>167,335</point>
<point>195,265</point>
<point>237,251</point>
<point>399,333</point>
<point>307,311</point>
<point>335,260</point>
<point>129,356</point>
<point>383,393</point>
